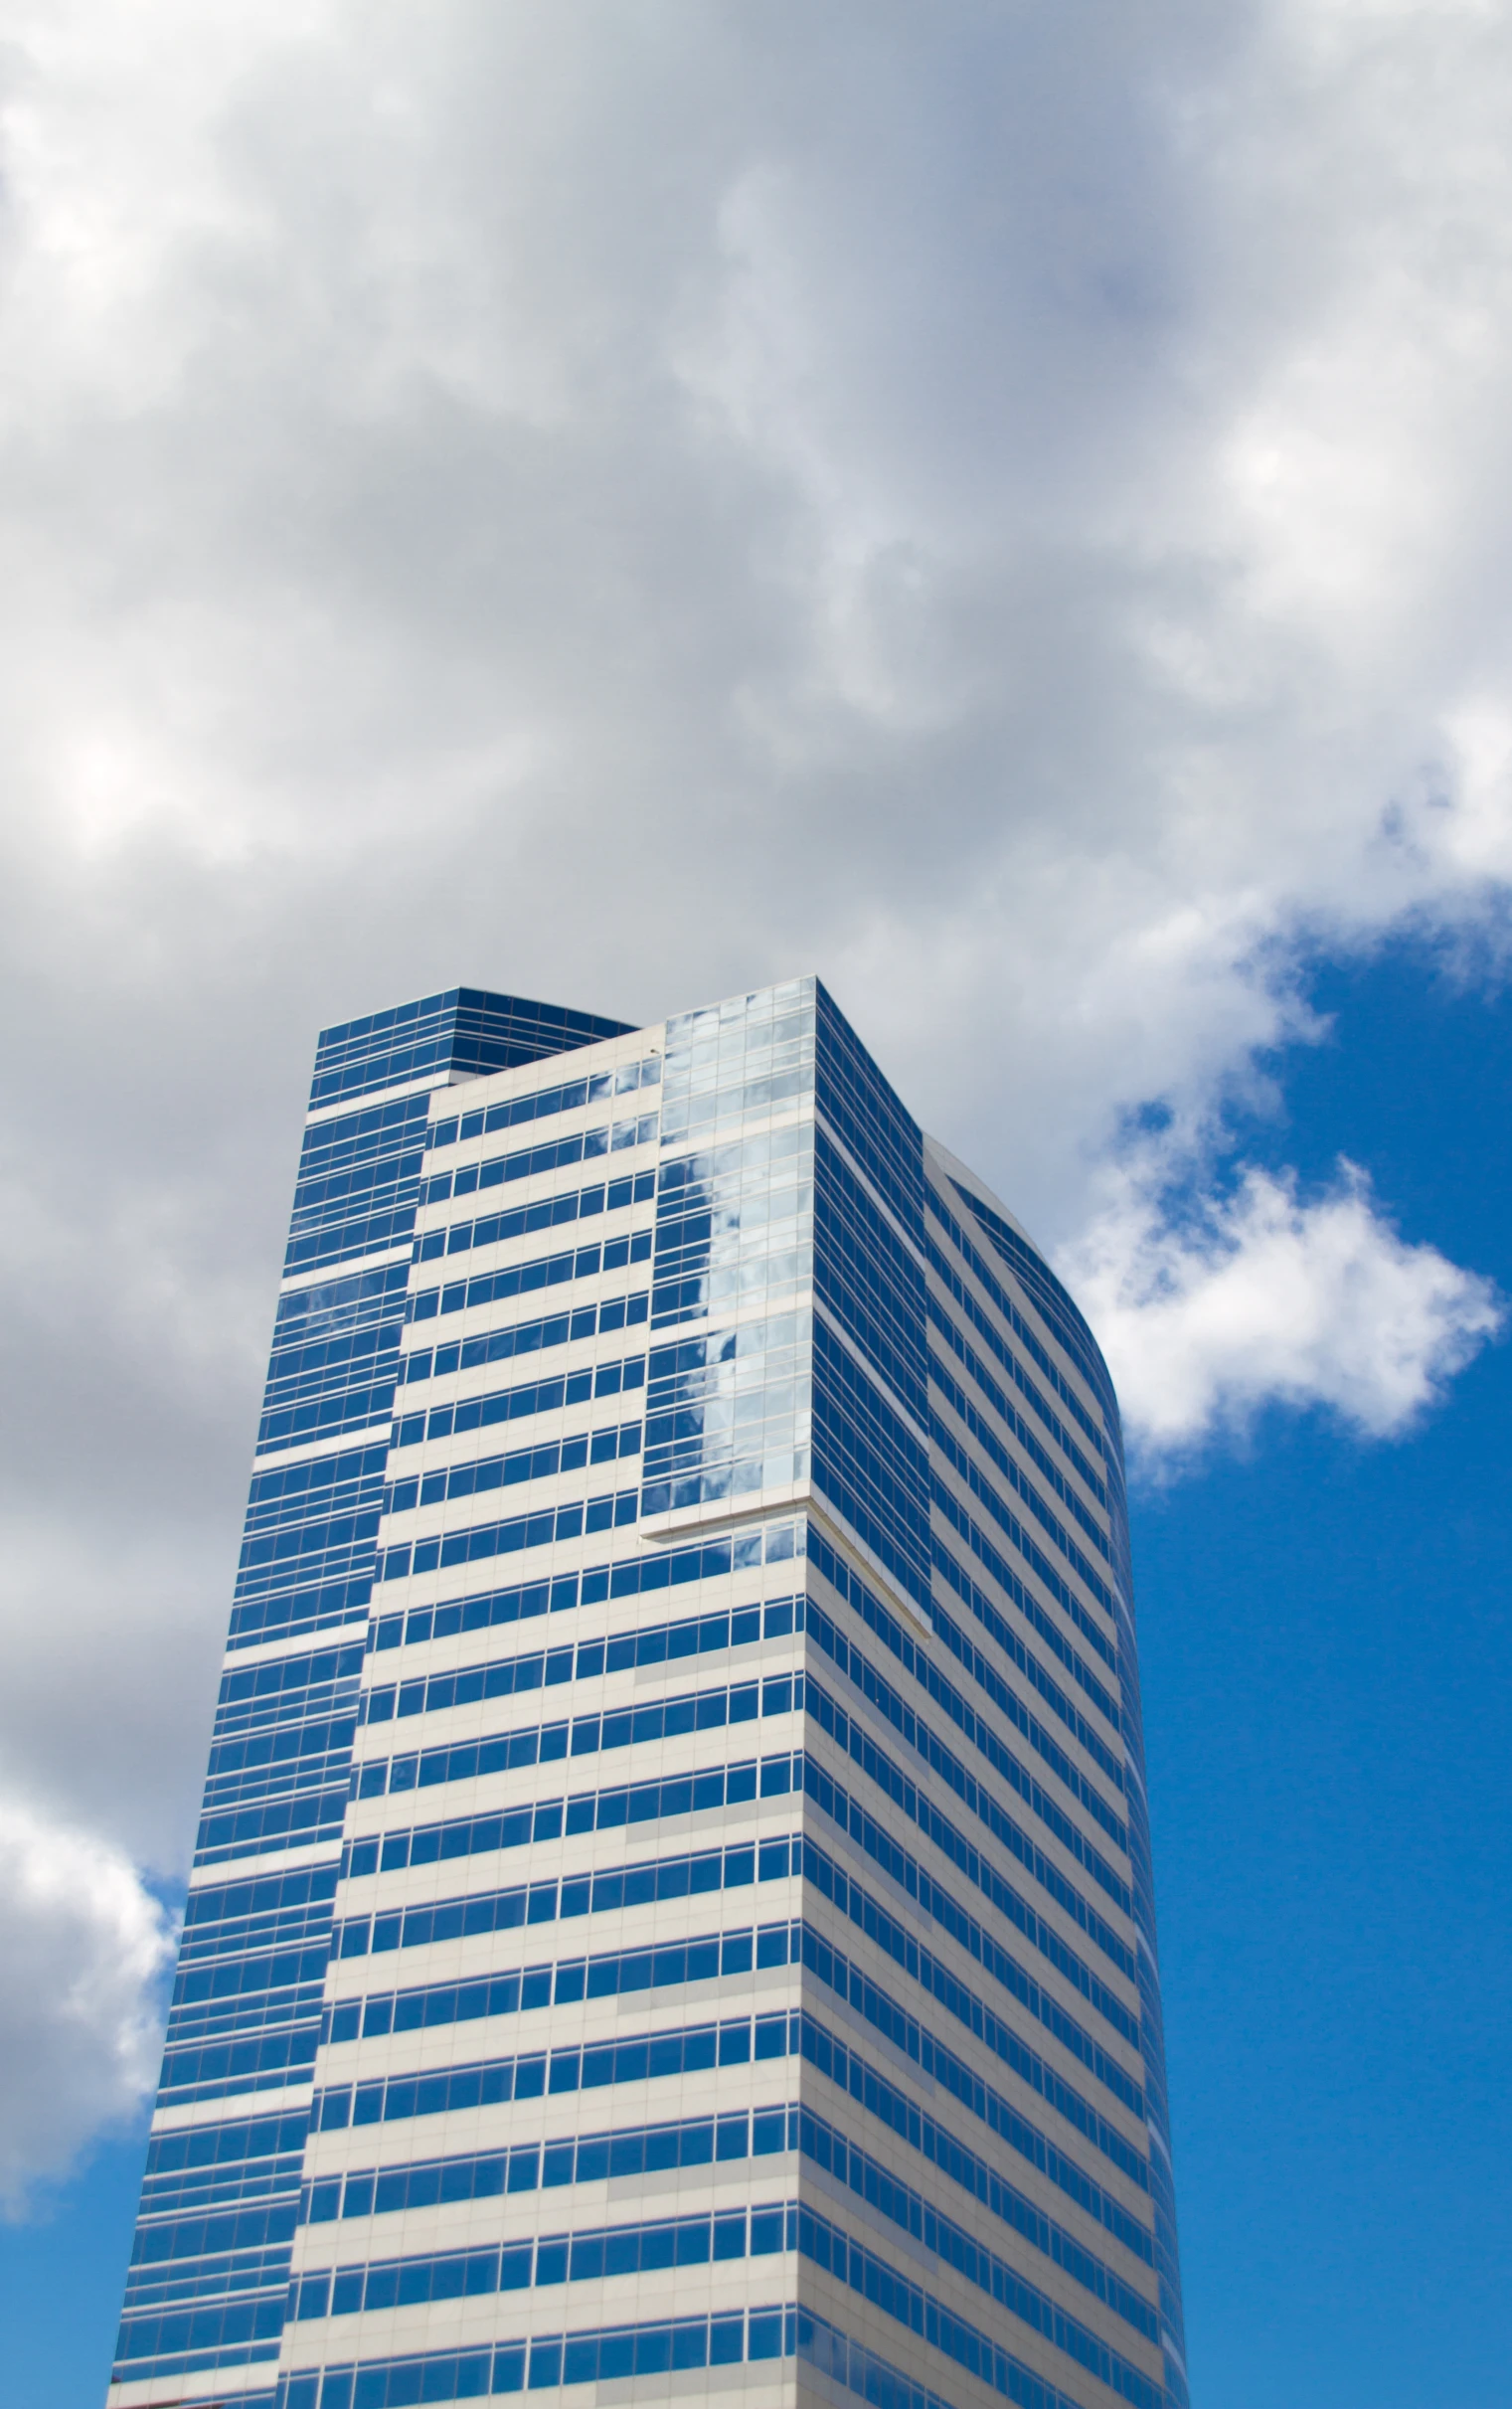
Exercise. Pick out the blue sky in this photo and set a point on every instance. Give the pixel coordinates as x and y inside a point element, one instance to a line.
<point>1009,509</point>
<point>1325,1648</point>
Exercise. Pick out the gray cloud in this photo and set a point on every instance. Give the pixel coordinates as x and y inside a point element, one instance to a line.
<point>1008,508</point>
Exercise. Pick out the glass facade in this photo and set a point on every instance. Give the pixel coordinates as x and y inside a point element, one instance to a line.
<point>712,1951</point>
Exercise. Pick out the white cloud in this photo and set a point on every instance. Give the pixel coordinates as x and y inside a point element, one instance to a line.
<point>1263,1299</point>
<point>1009,508</point>
<point>85,1947</point>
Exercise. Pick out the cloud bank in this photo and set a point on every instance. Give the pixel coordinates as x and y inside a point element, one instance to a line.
<point>1008,508</point>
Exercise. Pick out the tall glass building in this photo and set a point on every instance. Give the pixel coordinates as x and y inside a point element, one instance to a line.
<point>672,1915</point>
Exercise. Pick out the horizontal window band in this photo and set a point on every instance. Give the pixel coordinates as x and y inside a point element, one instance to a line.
<point>238,2064</point>
<point>288,1821</point>
<point>523,1221</point>
<point>528,1279</point>
<point>669,1568</point>
<point>290,1614</point>
<point>604,2354</point>
<point>198,2147</point>
<point>581,1519</point>
<point>325,1416</point>
<point>584,1736</point>
<point>554,1154</point>
<point>372,1233</point>
<point>574,2258</point>
<point>521,1464</point>
<point>527,1905</point>
<point>273,1558</point>
<point>648,2057</point>
<point>519,1403</point>
<point>294,1491</point>
<point>591,2158</point>
<point>543,1819</point>
<point>610,1975</point>
<point>584,1660</point>
<point>512,1112</point>
<point>247,1688</point>
<point>524,1339</point>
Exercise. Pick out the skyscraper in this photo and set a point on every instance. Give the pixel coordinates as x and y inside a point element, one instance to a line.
<point>672,1915</point>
